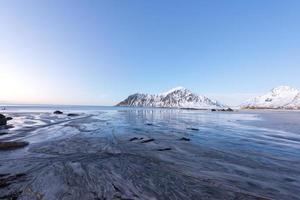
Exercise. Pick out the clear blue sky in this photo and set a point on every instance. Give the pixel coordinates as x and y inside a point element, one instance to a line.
<point>98,52</point>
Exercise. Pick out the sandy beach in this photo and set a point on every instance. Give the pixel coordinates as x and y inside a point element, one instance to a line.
<point>150,154</point>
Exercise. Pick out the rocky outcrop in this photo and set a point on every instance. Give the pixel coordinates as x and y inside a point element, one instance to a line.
<point>12,145</point>
<point>3,120</point>
<point>58,112</point>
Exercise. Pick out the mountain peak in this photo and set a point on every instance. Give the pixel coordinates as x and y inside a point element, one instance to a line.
<point>278,97</point>
<point>178,97</point>
<point>174,89</point>
<point>283,88</point>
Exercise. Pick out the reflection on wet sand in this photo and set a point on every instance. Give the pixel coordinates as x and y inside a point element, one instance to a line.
<point>149,154</point>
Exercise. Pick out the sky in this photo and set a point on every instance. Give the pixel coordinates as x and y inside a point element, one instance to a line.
<point>97,52</point>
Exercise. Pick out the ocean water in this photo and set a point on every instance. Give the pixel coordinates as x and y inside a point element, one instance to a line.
<point>146,153</point>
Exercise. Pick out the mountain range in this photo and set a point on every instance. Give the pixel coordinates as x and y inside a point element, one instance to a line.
<point>282,97</point>
<point>178,97</point>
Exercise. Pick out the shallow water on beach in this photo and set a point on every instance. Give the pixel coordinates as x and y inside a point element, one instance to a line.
<point>125,153</point>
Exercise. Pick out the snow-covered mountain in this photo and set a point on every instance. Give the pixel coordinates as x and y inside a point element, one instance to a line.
<point>178,97</point>
<point>295,104</point>
<point>282,97</point>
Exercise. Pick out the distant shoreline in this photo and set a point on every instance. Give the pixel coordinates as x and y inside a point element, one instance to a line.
<point>4,107</point>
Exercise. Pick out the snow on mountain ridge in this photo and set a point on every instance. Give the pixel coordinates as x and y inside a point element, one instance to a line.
<point>295,104</point>
<point>178,97</point>
<point>279,97</point>
<point>173,89</point>
<point>283,89</point>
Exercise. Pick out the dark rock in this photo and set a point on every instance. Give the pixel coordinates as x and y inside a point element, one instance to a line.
<point>58,112</point>
<point>185,139</point>
<point>132,139</point>
<point>12,145</point>
<point>149,140</point>
<point>3,127</point>
<point>149,124</point>
<point>164,149</point>
<point>222,110</point>
<point>135,138</point>
<point>73,115</point>
<point>3,120</point>
<point>8,118</point>
<point>193,129</point>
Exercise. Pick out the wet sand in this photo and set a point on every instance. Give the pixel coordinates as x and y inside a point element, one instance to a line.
<point>140,154</point>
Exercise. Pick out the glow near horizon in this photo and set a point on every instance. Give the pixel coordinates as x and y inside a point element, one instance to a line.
<point>99,52</point>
